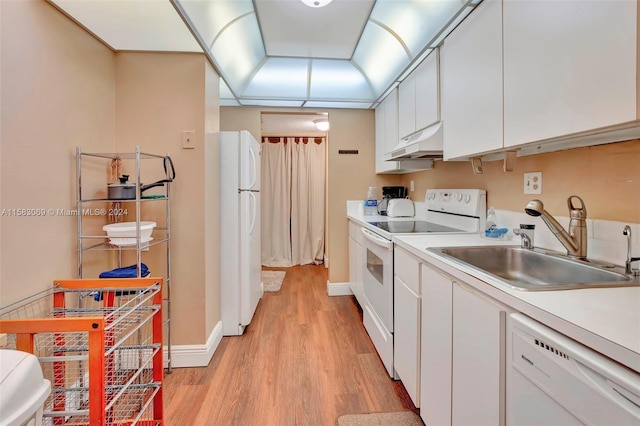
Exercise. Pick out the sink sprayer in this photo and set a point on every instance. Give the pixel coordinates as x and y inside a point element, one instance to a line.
<point>575,241</point>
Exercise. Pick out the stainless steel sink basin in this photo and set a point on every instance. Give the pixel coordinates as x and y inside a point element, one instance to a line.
<point>537,270</point>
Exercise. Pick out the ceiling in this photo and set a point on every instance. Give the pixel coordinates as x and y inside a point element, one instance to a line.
<point>347,54</point>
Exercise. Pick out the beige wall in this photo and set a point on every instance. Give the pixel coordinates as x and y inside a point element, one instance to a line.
<point>57,93</point>
<point>61,88</point>
<point>159,95</point>
<point>348,176</point>
<point>211,198</point>
<point>606,177</point>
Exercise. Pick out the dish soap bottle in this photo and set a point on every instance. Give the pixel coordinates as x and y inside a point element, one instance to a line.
<point>371,202</point>
<point>491,219</point>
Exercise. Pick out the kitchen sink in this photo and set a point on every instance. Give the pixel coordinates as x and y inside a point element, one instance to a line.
<point>537,269</point>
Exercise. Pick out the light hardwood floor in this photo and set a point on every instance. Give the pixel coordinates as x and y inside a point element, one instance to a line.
<point>304,360</point>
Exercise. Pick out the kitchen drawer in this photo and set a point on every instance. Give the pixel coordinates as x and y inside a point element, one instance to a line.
<point>407,268</point>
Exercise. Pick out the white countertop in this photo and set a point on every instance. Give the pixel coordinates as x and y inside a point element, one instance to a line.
<point>605,319</point>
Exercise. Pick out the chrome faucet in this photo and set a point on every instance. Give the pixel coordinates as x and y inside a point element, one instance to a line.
<point>627,265</point>
<point>575,241</point>
<point>525,240</point>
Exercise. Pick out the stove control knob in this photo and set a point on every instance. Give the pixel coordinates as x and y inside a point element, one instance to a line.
<point>467,198</point>
<point>459,196</point>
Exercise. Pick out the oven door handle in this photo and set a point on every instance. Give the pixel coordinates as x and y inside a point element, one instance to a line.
<point>376,239</point>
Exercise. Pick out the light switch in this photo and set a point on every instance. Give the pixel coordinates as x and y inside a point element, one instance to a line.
<point>188,139</point>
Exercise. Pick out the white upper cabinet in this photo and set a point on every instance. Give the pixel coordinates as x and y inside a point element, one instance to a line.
<point>471,83</point>
<point>407,106</point>
<point>419,97</point>
<point>428,91</point>
<point>386,132</point>
<point>569,67</point>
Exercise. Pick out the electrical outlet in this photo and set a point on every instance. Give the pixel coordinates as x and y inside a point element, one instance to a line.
<point>533,183</point>
<point>411,186</point>
<point>188,139</point>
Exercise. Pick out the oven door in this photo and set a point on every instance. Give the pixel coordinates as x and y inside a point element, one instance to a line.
<point>378,276</point>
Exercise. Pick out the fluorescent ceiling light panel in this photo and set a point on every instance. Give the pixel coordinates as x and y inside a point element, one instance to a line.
<point>238,51</point>
<point>381,56</point>
<point>416,22</point>
<point>292,29</point>
<point>210,17</point>
<point>280,78</point>
<point>336,79</point>
<point>357,49</point>
<point>267,102</point>
<point>225,92</point>
<point>342,105</point>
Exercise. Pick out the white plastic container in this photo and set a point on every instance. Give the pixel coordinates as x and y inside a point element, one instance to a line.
<point>371,202</point>
<point>128,229</point>
<point>491,219</point>
<point>23,388</point>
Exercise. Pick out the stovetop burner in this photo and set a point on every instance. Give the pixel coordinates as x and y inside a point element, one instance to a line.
<point>412,226</point>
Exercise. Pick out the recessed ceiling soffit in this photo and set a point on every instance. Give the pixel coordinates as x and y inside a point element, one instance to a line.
<point>348,53</point>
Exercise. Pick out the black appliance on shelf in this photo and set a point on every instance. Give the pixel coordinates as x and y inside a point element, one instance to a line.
<point>389,192</point>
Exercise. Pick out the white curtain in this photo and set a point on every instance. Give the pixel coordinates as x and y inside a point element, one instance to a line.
<point>275,190</point>
<point>292,187</point>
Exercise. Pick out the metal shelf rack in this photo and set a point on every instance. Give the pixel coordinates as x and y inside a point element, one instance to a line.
<point>88,243</point>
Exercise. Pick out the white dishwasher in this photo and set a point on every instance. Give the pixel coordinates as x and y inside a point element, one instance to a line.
<point>553,380</point>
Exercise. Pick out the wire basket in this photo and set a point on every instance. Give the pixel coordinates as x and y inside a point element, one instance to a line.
<point>99,342</point>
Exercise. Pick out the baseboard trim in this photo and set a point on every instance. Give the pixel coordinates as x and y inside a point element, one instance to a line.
<point>338,289</point>
<point>195,355</point>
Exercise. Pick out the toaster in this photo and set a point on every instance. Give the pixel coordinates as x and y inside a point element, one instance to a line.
<point>400,207</point>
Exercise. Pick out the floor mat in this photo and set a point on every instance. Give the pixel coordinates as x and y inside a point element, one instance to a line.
<point>401,418</point>
<point>272,280</point>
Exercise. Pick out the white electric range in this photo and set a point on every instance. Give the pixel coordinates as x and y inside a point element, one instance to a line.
<point>446,211</point>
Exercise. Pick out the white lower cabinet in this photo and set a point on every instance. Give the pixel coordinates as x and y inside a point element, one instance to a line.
<point>462,354</point>
<point>356,260</point>
<point>435,377</point>
<point>478,376</point>
<point>406,312</point>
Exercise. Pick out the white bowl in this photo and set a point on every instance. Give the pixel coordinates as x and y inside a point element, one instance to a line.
<point>129,242</point>
<point>128,229</point>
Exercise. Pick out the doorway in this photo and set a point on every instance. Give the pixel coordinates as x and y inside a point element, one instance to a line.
<point>293,186</point>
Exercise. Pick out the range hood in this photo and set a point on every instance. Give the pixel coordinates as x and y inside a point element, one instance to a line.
<point>426,143</point>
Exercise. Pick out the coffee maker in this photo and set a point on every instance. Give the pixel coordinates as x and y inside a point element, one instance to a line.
<point>389,192</point>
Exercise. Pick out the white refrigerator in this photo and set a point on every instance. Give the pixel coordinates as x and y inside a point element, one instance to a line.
<point>240,265</point>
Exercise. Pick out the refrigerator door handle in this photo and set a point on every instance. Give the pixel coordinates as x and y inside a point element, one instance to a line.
<point>254,167</point>
<point>254,211</point>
